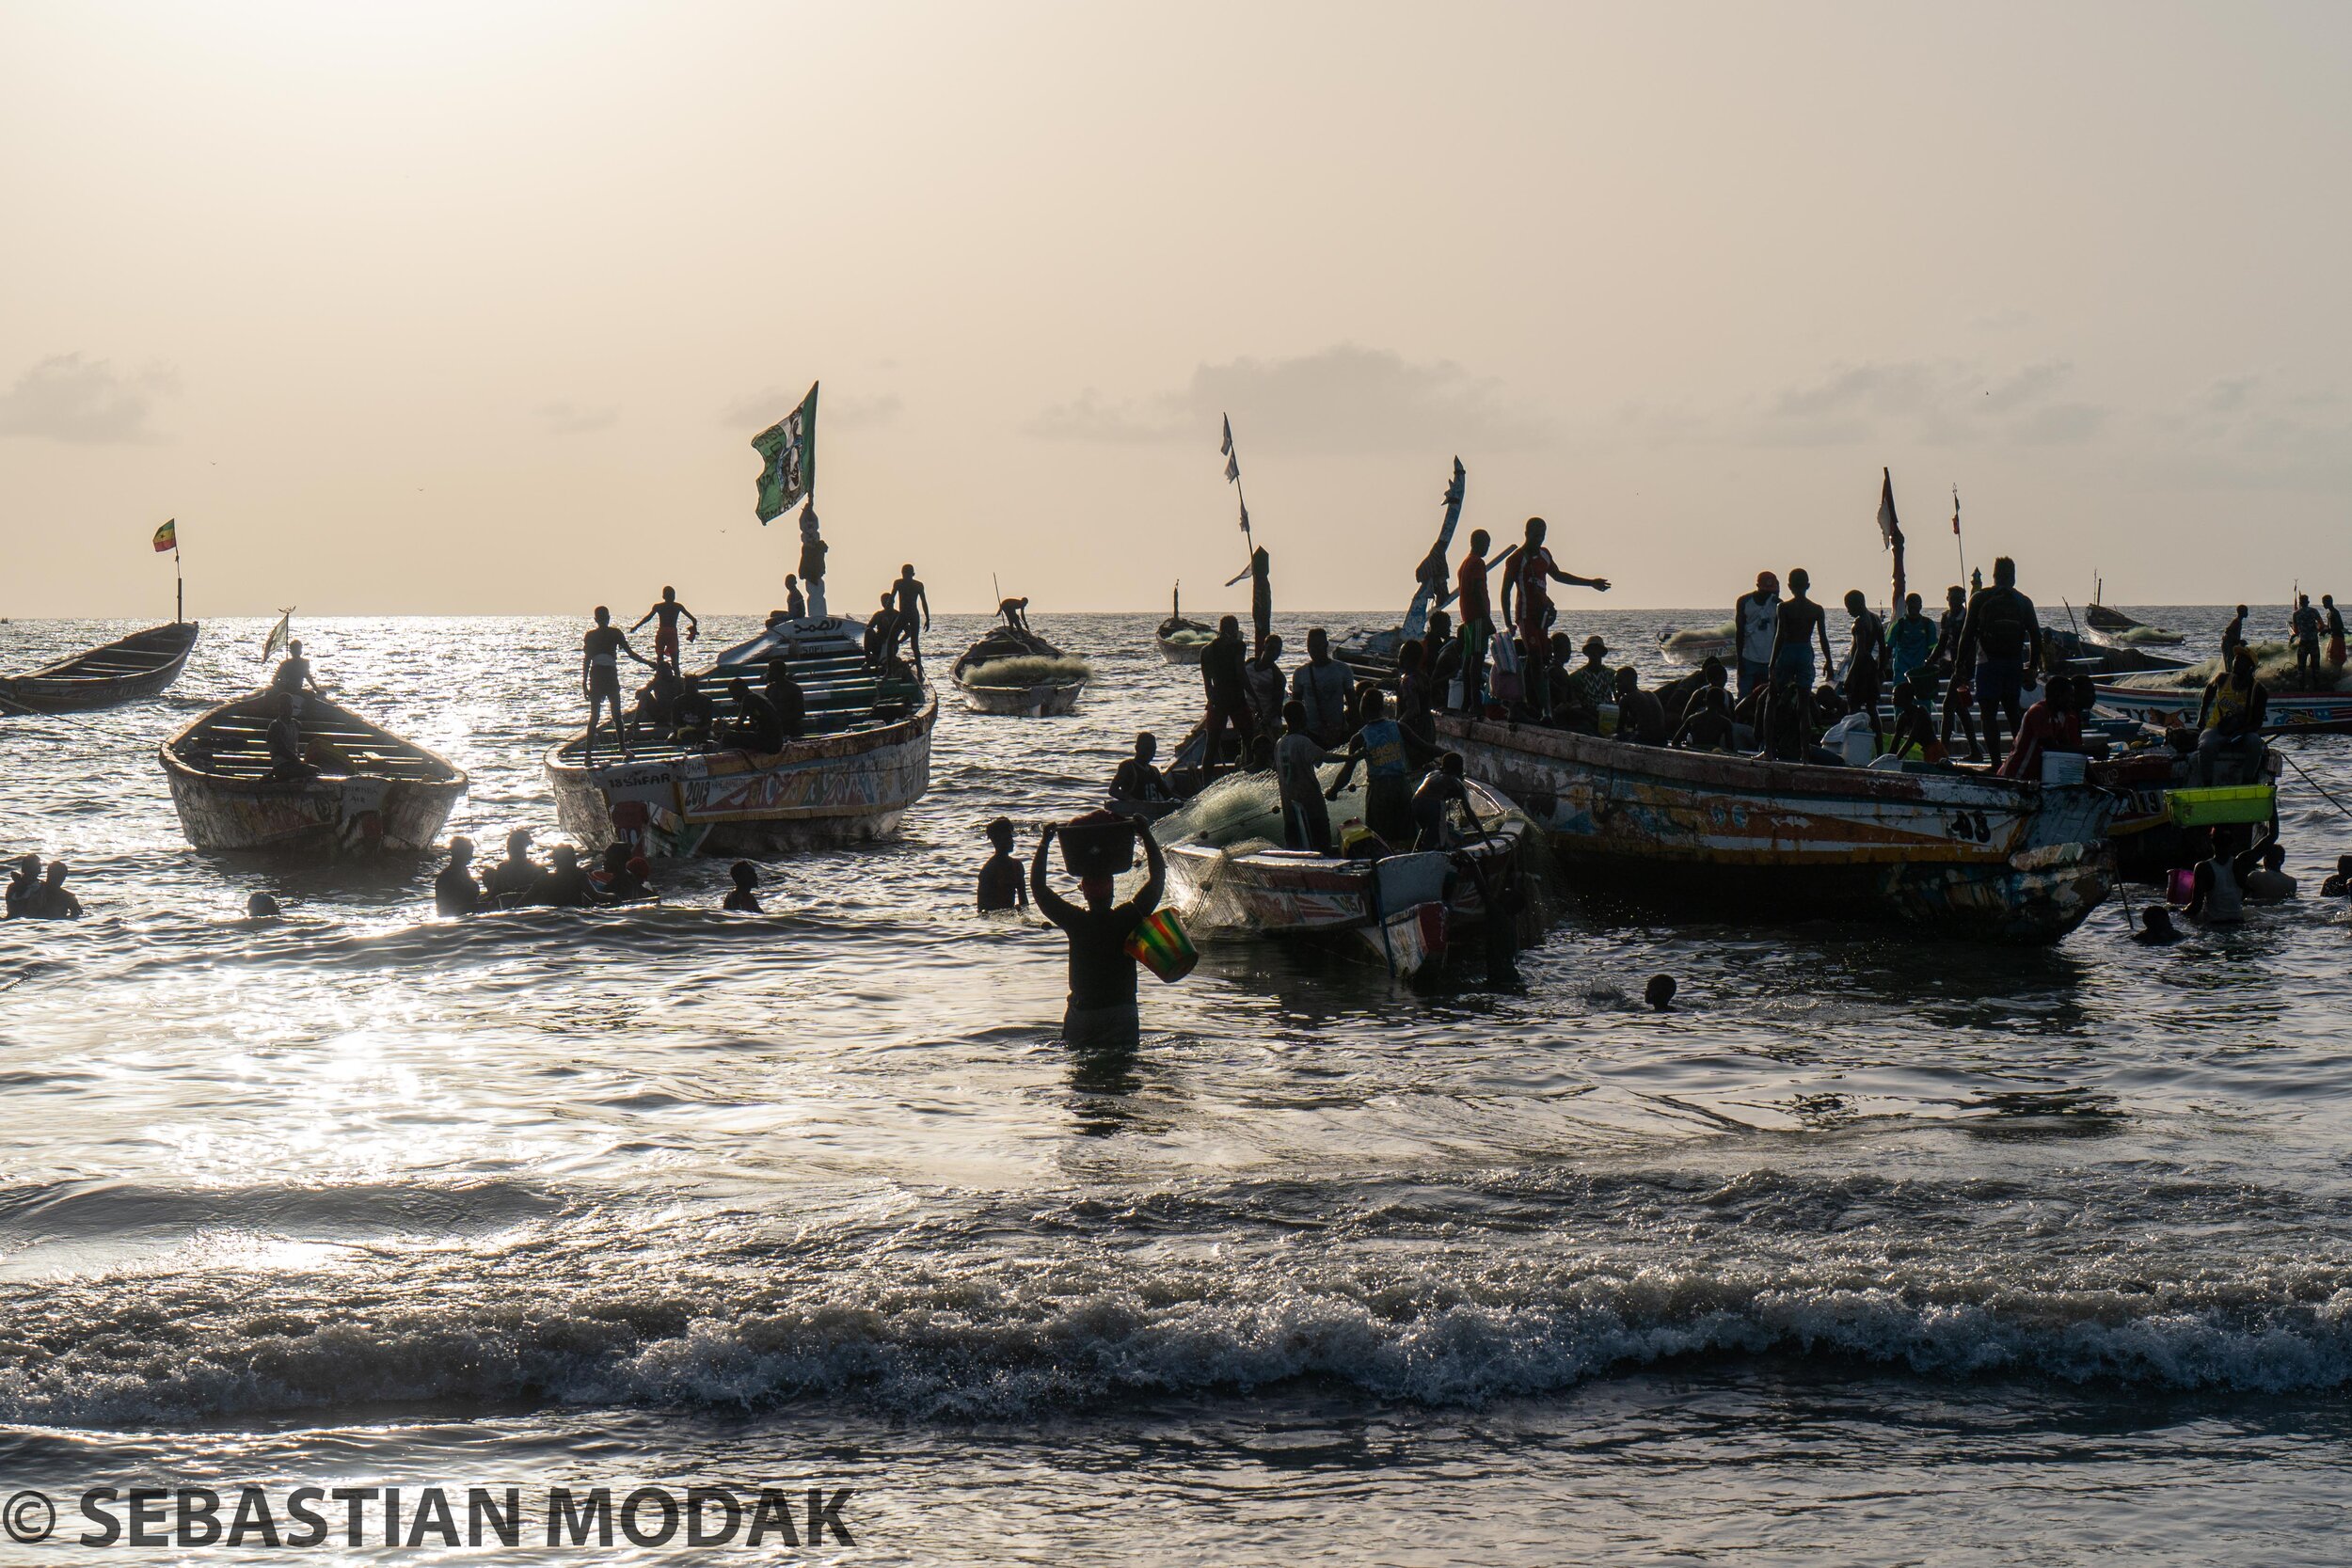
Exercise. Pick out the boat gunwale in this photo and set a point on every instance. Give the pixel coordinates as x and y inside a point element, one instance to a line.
<point>454,777</point>
<point>815,748</point>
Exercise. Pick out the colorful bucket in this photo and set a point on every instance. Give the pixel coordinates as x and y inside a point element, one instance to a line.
<point>1159,944</point>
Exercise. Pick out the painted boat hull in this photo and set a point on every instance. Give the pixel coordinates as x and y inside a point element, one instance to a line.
<point>1963,853</point>
<point>2310,712</point>
<point>829,789</point>
<point>73,686</point>
<point>328,818</point>
<point>1028,702</point>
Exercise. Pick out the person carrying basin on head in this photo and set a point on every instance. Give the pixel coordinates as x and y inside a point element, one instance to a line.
<point>1101,1013</point>
<point>669,613</point>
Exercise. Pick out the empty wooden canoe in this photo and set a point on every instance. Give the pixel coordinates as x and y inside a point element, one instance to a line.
<point>140,665</point>
<point>376,794</point>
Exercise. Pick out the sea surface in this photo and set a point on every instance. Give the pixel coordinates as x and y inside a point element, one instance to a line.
<point>1881,1249</point>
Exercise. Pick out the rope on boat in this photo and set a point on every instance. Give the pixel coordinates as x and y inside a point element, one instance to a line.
<point>2316,784</point>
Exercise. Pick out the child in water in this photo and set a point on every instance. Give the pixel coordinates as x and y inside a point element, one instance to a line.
<point>1001,884</point>
<point>741,899</point>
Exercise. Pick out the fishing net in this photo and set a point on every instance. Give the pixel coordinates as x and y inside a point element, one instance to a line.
<point>2274,666</point>
<point>1027,669</point>
<point>1696,637</point>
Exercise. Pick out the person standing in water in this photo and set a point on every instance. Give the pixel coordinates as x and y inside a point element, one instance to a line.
<point>1533,573</point>
<point>455,891</point>
<point>669,613</point>
<point>741,899</point>
<point>1000,877</point>
<point>1754,620</point>
<point>600,678</point>
<point>911,598</point>
<point>510,880</point>
<point>1261,574</point>
<point>1101,1014</point>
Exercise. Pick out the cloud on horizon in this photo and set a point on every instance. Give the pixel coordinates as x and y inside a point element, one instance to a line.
<point>1939,402</point>
<point>68,397</point>
<point>571,418</point>
<point>1343,399</point>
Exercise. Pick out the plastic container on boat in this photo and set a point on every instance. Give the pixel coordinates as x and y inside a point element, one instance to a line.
<point>2063,767</point>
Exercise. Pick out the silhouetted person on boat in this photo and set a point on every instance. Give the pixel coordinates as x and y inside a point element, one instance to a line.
<point>883,633</point>
<point>1910,640</point>
<point>812,560</point>
<point>1001,887</point>
<point>1015,613</point>
<point>1306,822</point>
<point>1416,706</point>
<point>1754,621</point>
<point>1323,687</point>
<point>1268,688</point>
<point>455,891</point>
<point>1640,717</point>
<point>1101,1010</point>
<point>1598,681</point>
<point>2306,627</point>
<point>794,608</point>
<point>1914,737</point>
<point>1708,725</point>
<point>757,727</point>
<point>2005,636</point>
<point>1796,629</point>
<point>669,613</point>
<point>293,678</point>
<point>1865,662</point>
<point>1382,746</point>
<point>691,713</point>
<point>1226,684</point>
<point>1573,706</point>
<point>2232,638</point>
<point>600,654</point>
<point>1261,574</point>
<point>1475,604</point>
<point>1960,698</point>
<point>2053,724</point>
<point>1444,667</point>
<point>2230,719</point>
<point>741,899</point>
<point>912,599</point>
<point>1441,788</point>
<point>512,878</point>
<point>287,764</point>
<point>1527,599</point>
<point>785,695</point>
<point>1136,778</point>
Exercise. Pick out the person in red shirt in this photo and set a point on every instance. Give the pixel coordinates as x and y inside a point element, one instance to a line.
<point>1531,575</point>
<point>2053,724</point>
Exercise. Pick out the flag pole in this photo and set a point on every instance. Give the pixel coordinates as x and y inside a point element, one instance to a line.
<point>178,585</point>
<point>1957,543</point>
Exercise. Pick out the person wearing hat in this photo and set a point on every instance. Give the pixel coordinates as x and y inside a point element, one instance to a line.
<point>1598,681</point>
<point>512,878</point>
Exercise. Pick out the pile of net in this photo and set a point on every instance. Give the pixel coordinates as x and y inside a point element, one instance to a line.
<point>1695,637</point>
<point>2274,666</point>
<point>1007,658</point>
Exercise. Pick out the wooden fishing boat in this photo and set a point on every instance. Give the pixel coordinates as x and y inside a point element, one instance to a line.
<point>1018,672</point>
<point>372,792</point>
<point>2121,630</point>
<point>143,664</point>
<point>1181,639</point>
<point>1402,910</point>
<point>2158,700</point>
<point>1759,840</point>
<point>864,757</point>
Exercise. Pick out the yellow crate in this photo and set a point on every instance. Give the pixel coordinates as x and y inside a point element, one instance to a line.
<point>2224,804</point>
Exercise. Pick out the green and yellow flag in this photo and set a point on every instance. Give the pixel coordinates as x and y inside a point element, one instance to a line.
<point>167,536</point>
<point>787,459</point>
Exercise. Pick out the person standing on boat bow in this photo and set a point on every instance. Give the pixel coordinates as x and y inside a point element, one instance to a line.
<point>1224,680</point>
<point>911,598</point>
<point>1101,1014</point>
<point>669,613</point>
<point>600,678</point>
<point>1533,573</point>
<point>293,678</point>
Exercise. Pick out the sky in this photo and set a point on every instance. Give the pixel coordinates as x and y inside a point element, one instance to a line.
<point>474,307</point>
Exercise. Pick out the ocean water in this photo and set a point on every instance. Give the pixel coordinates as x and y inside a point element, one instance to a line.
<point>1881,1249</point>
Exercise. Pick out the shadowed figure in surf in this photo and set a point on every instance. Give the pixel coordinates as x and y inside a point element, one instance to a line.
<point>510,880</point>
<point>1000,875</point>
<point>741,899</point>
<point>455,891</point>
<point>1101,1014</point>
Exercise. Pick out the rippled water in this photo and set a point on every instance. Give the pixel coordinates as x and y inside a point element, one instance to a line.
<point>1879,1249</point>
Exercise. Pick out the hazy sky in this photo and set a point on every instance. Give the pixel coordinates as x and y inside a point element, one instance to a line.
<point>476,306</point>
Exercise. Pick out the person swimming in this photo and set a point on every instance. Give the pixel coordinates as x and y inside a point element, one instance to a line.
<point>741,899</point>
<point>50,901</point>
<point>455,891</point>
<point>260,906</point>
<point>511,880</point>
<point>22,886</point>
<point>1000,875</point>
<point>2155,926</point>
<point>566,885</point>
<point>1660,993</point>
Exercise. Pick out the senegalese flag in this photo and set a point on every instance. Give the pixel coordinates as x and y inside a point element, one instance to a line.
<point>167,536</point>
<point>1160,946</point>
<point>787,459</point>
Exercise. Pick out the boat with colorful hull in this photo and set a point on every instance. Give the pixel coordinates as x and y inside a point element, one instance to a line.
<point>1932,846</point>
<point>143,664</point>
<point>2158,700</point>
<point>372,793</point>
<point>863,759</point>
